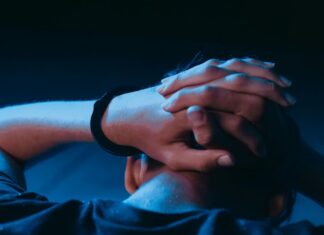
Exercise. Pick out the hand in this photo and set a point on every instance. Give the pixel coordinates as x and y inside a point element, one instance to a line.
<point>239,97</point>
<point>249,66</point>
<point>245,76</point>
<point>136,119</point>
<point>245,100</point>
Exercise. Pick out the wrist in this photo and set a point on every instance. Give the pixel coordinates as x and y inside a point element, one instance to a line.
<point>112,124</point>
<point>127,118</point>
<point>101,122</point>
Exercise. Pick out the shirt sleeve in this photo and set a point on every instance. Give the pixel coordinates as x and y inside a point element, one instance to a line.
<point>12,179</point>
<point>23,212</point>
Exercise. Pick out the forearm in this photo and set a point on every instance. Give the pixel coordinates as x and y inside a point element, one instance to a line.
<point>310,175</point>
<point>30,129</point>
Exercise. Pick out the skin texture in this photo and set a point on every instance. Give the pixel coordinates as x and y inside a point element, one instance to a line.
<point>158,188</point>
<point>49,128</point>
<point>235,99</point>
<point>167,136</point>
<point>204,192</point>
<point>30,129</point>
<point>253,119</point>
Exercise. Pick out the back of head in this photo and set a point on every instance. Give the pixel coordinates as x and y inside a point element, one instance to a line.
<point>248,192</point>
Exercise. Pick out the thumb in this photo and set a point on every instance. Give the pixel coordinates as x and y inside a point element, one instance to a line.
<point>185,158</point>
<point>202,126</point>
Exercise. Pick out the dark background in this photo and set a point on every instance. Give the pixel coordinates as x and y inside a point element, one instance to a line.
<point>267,23</point>
<point>64,49</point>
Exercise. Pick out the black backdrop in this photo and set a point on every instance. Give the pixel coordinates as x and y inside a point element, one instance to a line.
<point>293,23</point>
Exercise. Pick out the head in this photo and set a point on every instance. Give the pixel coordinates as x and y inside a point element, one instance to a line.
<point>247,192</point>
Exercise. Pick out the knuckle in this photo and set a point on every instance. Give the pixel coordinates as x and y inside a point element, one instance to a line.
<point>212,62</point>
<point>256,107</point>
<point>179,95</point>
<point>203,165</point>
<point>267,73</point>
<point>275,93</point>
<point>235,62</point>
<point>170,161</point>
<point>250,60</point>
<point>237,123</point>
<point>204,138</point>
<point>273,89</point>
<point>174,166</point>
<point>238,79</point>
<point>210,70</point>
<point>257,102</point>
<point>178,77</point>
<point>207,93</point>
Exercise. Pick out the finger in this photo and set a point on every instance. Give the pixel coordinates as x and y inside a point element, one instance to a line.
<point>198,75</point>
<point>217,62</point>
<point>248,106</point>
<point>213,62</point>
<point>241,66</point>
<point>201,125</point>
<point>206,128</point>
<point>255,86</point>
<point>180,157</point>
<point>254,61</point>
<point>206,132</point>
<point>243,131</point>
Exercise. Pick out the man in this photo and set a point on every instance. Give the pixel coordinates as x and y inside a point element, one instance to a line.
<point>235,178</point>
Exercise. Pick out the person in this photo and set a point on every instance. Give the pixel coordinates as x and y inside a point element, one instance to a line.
<point>220,156</point>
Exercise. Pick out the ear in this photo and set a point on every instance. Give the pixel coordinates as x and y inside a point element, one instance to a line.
<point>132,174</point>
<point>277,204</point>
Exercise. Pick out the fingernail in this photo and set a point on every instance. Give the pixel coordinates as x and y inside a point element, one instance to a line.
<point>225,161</point>
<point>161,88</point>
<point>164,80</point>
<point>285,80</point>
<point>291,100</point>
<point>269,64</point>
<point>197,117</point>
<point>165,105</point>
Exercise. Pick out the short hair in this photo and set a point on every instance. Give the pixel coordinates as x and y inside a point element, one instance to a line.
<point>258,172</point>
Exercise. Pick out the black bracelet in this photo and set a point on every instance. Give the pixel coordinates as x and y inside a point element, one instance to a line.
<point>99,109</point>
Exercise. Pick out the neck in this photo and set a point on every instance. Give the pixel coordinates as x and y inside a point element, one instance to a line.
<point>169,193</point>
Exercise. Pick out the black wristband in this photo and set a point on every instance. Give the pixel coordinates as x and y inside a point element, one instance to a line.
<point>99,109</point>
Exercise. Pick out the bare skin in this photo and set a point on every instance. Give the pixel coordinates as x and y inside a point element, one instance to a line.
<point>303,167</point>
<point>48,128</point>
<point>163,190</point>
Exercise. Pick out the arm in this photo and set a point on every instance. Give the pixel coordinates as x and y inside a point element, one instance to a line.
<point>30,129</point>
<point>240,97</point>
<point>134,119</point>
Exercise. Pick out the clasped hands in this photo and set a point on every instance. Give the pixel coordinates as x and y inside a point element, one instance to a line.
<point>223,105</point>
